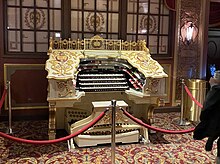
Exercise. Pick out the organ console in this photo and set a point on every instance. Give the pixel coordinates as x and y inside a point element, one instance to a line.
<point>82,73</point>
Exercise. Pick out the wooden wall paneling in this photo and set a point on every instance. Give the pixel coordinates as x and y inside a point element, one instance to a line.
<point>28,85</point>
<point>190,59</point>
<point>167,69</point>
<point>213,55</point>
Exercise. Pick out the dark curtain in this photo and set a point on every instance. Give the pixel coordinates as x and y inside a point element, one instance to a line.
<point>214,15</point>
<point>171,4</point>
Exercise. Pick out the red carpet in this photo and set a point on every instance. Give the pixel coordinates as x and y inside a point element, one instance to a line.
<point>163,148</point>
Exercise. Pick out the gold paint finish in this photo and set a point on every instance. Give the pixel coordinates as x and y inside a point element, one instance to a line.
<point>64,56</point>
<point>52,121</point>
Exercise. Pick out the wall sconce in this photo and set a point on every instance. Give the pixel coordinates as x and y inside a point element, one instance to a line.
<point>189,31</point>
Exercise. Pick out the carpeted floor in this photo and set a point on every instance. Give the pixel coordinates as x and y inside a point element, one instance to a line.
<point>163,148</point>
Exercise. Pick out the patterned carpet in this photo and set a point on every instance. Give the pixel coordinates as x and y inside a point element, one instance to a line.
<point>163,148</point>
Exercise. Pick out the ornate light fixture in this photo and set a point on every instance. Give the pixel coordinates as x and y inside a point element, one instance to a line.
<point>189,31</point>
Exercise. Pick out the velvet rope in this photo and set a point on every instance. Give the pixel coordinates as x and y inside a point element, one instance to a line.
<point>155,128</point>
<point>191,96</point>
<point>3,98</point>
<point>40,142</point>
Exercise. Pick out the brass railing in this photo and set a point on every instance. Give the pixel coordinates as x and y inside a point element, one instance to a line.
<point>98,43</point>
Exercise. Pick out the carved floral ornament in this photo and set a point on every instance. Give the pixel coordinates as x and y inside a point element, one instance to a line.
<point>35,18</point>
<point>152,85</point>
<point>64,88</point>
<point>92,18</point>
<point>62,64</point>
<point>144,23</point>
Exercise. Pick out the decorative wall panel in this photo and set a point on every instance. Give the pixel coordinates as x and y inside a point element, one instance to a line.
<point>213,55</point>
<point>167,70</point>
<point>28,85</point>
<point>189,57</point>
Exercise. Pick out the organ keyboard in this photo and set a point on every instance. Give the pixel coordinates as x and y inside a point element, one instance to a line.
<point>97,69</point>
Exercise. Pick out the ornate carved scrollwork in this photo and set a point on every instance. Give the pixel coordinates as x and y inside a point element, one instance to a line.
<point>152,85</point>
<point>65,88</point>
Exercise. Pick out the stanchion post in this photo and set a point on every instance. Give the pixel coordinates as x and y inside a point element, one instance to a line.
<point>9,108</point>
<point>113,145</point>
<point>182,121</point>
<point>182,97</point>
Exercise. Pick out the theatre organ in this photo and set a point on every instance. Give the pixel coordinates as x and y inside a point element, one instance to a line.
<point>82,73</point>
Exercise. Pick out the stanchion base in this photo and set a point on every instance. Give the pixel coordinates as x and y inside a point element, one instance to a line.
<point>184,123</point>
<point>7,131</point>
<point>181,122</point>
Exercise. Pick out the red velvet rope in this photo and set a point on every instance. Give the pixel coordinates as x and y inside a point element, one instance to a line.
<point>55,140</point>
<point>191,96</point>
<point>155,128</point>
<point>3,98</point>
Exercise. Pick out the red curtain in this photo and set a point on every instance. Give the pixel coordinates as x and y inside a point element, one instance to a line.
<point>171,4</point>
<point>214,15</point>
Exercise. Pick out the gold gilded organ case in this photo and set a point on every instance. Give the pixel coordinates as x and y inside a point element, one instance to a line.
<point>81,72</point>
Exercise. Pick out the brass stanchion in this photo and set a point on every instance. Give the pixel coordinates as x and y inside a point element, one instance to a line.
<point>8,130</point>
<point>182,120</point>
<point>113,145</point>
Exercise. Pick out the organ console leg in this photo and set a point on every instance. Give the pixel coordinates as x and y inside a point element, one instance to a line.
<point>52,121</point>
<point>150,112</point>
